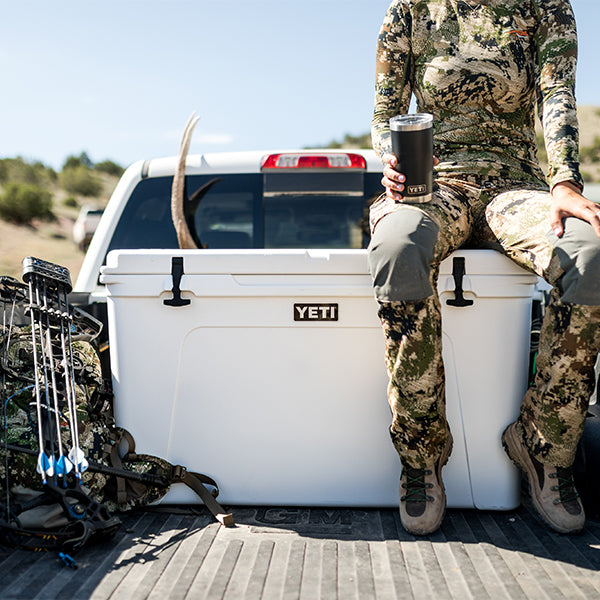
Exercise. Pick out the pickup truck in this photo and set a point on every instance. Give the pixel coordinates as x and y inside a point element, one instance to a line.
<point>295,199</point>
<point>85,225</point>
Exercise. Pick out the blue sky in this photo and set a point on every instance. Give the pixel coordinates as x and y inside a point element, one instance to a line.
<point>119,78</point>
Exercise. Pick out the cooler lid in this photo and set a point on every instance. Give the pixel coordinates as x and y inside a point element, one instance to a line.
<point>238,262</point>
<point>484,262</point>
<point>287,262</point>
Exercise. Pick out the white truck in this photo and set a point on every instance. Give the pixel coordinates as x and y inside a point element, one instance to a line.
<point>85,225</point>
<point>297,200</point>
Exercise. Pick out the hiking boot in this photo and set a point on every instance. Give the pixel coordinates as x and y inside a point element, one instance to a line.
<point>422,495</point>
<point>552,488</point>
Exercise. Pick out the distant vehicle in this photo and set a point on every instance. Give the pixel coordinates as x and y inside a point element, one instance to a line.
<point>85,226</point>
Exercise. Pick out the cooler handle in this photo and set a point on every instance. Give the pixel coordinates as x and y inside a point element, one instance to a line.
<point>176,274</point>
<point>458,273</point>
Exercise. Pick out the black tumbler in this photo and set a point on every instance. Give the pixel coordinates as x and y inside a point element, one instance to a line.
<point>412,144</point>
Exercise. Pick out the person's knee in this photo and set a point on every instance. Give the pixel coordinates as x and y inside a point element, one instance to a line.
<point>579,253</point>
<point>400,256</point>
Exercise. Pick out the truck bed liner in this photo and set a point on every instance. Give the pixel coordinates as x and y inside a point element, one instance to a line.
<point>317,553</point>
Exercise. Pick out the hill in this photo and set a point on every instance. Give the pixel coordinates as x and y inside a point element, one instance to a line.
<point>589,142</point>
<point>79,183</point>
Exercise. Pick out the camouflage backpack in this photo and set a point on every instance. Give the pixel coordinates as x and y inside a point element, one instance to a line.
<point>40,495</point>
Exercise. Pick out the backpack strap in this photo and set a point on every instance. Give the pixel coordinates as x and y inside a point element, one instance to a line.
<point>196,482</point>
<point>112,450</point>
<point>177,474</point>
<point>174,474</point>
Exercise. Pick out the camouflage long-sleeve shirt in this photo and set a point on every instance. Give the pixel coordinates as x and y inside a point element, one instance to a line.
<point>480,67</point>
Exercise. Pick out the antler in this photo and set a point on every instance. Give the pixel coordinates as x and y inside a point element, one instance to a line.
<point>184,237</point>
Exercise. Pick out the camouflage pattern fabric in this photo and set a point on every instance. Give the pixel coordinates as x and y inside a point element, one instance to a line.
<point>98,435</point>
<point>413,358</point>
<point>554,409</point>
<point>517,224</point>
<point>20,427</point>
<point>480,67</point>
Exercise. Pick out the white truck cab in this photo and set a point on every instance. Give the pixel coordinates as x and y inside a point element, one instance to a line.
<point>281,199</point>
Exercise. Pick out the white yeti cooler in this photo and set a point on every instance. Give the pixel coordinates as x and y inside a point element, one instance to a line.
<point>264,369</point>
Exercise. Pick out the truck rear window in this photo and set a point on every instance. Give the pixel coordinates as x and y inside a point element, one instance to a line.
<point>317,210</point>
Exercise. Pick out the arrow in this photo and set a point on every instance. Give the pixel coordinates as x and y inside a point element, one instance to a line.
<point>44,465</point>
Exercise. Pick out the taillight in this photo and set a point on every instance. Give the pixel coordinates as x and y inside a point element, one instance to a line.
<point>328,160</point>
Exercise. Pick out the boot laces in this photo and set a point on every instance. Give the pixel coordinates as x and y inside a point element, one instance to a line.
<point>566,485</point>
<point>415,486</point>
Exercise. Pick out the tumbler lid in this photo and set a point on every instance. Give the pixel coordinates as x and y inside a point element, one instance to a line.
<point>411,122</point>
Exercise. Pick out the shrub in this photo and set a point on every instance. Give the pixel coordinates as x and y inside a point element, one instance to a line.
<point>70,202</point>
<point>18,170</point>
<point>80,180</point>
<point>83,160</point>
<point>110,168</point>
<point>541,147</point>
<point>22,202</point>
<point>591,153</point>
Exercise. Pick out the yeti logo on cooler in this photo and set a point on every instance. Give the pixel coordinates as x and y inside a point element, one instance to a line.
<point>315,312</point>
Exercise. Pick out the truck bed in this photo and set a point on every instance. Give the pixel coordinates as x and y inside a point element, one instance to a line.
<point>316,553</point>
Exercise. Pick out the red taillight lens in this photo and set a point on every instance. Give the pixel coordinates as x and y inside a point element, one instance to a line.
<point>329,160</point>
<point>313,162</point>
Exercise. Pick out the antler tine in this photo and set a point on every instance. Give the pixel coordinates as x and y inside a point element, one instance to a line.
<point>184,238</point>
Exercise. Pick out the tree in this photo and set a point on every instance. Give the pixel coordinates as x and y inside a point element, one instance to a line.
<point>22,202</point>
<point>18,170</point>
<point>80,180</point>
<point>110,168</point>
<point>83,160</point>
<point>350,141</point>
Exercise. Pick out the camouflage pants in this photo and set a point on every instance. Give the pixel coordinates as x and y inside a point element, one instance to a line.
<point>407,246</point>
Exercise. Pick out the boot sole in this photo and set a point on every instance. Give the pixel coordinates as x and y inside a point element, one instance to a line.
<point>520,458</point>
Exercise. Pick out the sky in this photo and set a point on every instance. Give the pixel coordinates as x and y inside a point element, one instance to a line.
<point>118,79</point>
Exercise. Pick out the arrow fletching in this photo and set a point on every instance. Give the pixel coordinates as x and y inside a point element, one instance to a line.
<point>78,458</point>
<point>45,465</point>
<point>63,466</point>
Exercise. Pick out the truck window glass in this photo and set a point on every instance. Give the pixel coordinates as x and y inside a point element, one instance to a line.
<point>229,206</point>
<point>229,214</point>
<point>313,221</point>
<point>234,214</point>
<point>146,219</point>
<point>318,209</point>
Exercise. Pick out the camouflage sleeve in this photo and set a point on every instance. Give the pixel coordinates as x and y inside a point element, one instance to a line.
<point>557,59</point>
<point>393,86</point>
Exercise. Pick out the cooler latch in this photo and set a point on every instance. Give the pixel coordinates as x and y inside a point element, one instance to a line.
<point>176,274</point>
<point>458,273</point>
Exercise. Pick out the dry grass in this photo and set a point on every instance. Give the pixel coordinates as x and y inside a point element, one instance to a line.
<point>589,131</point>
<point>589,124</point>
<point>49,241</point>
